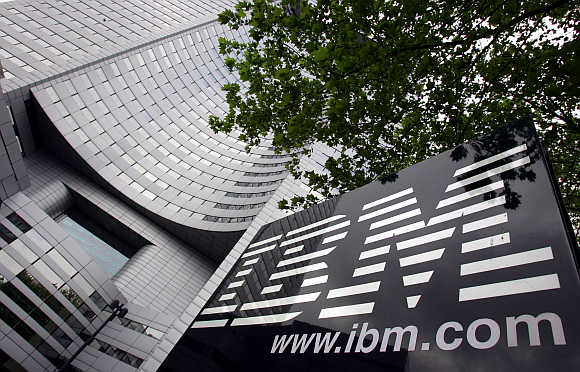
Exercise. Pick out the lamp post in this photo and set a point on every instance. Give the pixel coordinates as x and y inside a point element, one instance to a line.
<point>118,310</point>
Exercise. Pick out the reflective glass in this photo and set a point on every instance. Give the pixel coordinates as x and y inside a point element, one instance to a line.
<point>18,222</point>
<point>6,235</point>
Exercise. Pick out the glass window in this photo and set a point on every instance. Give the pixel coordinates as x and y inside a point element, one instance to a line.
<point>98,300</point>
<point>76,326</point>
<point>20,299</point>
<point>18,222</point>
<point>77,301</point>
<point>87,312</point>
<point>59,335</point>
<point>117,353</point>
<point>108,258</point>
<point>33,284</point>
<point>6,235</point>
<point>49,353</point>
<point>37,314</point>
<point>20,327</point>
<point>71,295</point>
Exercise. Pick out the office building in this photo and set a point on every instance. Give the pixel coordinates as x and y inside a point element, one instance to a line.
<point>105,142</point>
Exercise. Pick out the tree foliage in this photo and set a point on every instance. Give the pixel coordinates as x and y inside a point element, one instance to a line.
<point>391,83</point>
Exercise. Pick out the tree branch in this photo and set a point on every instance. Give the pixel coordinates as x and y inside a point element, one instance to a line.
<point>487,34</point>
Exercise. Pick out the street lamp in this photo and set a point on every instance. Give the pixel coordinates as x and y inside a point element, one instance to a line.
<point>118,310</point>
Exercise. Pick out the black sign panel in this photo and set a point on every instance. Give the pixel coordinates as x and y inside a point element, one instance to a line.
<point>461,262</point>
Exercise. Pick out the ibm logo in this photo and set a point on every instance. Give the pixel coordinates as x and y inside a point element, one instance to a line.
<point>385,245</point>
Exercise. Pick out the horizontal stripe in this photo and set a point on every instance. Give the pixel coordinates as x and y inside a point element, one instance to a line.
<point>374,252</point>
<point>511,287</point>
<point>306,257</point>
<point>485,223</point>
<point>236,284</point>
<point>490,241</point>
<point>265,241</point>
<point>334,238</point>
<point>424,239</point>
<point>489,173</point>
<point>394,232</point>
<point>490,160</point>
<point>282,301</point>
<point>316,224</point>
<point>470,194</point>
<point>259,251</point>
<point>298,271</point>
<point>388,209</point>
<point>271,289</point>
<point>315,233</point>
<point>294,250</point>
<point>210,323</point>
<point>418,278</point>
<point>219,309</point>
<point>370,269</point>
<point>397,218</point>
<point>314,281</point>
<point>227,296</point>
<point>243,273</point>
<point>265,319</point>
<point>510,260</point>
<point>251,262</point>
<point>387,198</point>
<point>354,290</point>
<point>479,207</point>
<point>349,310</point>
<point>421,257</point>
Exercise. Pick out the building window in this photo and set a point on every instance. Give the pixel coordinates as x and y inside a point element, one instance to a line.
<point>18,222</point>
<point>6,234</point>
<point>107,257</point>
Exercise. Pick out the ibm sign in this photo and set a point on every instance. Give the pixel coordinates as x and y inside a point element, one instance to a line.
<point>461,262</point>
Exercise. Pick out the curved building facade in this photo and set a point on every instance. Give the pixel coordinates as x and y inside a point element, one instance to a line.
<point>103,119</point>
<point>137,124</point>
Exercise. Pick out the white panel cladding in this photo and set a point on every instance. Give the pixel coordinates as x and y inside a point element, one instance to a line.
<point>123,24</point>
<point>269,213</point>
<point>148,110</point>
<point>150,278</point>
<point>39,254</point>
